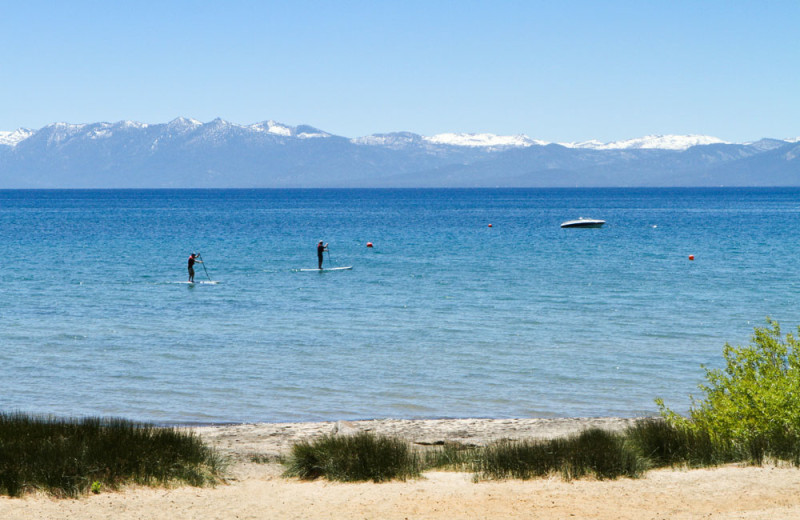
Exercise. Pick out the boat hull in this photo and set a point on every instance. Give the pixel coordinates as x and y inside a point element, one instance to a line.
<point>584,223</point>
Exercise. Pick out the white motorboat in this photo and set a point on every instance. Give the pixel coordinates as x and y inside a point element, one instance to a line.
<point>583,223</point>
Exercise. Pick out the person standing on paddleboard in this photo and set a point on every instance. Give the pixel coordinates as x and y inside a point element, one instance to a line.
<point>192,259</point>
<point>320,250</point>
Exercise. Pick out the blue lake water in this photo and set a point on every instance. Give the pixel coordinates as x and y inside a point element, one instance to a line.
<point>443,317</point>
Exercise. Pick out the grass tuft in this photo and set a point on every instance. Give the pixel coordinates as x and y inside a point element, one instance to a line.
<point>594,452</point>
<point>356,458</point>
<point>68,457</point>
<point>666,444</point>
<point>452,456</point>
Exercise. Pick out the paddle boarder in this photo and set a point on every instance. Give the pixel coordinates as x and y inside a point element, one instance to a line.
<point>192,259</point>
<point>320,250</point>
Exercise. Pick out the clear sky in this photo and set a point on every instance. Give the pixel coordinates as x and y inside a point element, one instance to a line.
<point>554,70</point>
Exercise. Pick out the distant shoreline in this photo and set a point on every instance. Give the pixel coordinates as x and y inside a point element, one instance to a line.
<point>733,187</point>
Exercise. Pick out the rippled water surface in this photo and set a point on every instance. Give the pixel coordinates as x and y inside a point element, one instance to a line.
<point>443,317</point>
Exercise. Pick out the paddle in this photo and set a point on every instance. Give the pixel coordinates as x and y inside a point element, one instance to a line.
<point>329,256</point>
<point>204,266</point>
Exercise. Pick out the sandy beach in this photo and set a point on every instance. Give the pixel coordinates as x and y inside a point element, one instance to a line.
<point>258,491</point>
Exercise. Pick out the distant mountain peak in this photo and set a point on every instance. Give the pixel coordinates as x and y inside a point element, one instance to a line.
<point>309,132</point>
<point>484,140</point>
<point>273,127</point>
<point>184,122</point>
<point>659,142</point>
<point>280,129</point>
<point>13,138</point>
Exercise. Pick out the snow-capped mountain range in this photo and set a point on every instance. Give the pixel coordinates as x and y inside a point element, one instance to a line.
<point>478,140</point>
<point>656,142</point>
<point>189,153</point>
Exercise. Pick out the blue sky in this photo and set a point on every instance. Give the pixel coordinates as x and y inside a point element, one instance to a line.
<point>557,71</point>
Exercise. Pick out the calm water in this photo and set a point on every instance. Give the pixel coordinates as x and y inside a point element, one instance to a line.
<point>444,317</point>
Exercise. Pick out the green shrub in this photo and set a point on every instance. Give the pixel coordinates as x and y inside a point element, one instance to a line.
<point>355,458</point>
<point>66,457</point>
<point>751,407</point>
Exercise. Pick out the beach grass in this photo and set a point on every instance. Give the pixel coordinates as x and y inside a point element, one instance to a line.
<point>665,444</point>
<point>452,456</point>
<point>668,444</point>
<point>602,454</point>
<point>594,453</point>
<point>68,457</point>
<point>366,456</point>
<point>353,458</point>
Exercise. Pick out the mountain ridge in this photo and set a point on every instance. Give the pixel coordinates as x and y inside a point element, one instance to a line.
<point>190,154</point>
<point>655,141</point>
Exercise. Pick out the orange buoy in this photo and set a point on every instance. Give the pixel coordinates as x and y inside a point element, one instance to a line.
<point>369,244</point>
<point>691,257</point>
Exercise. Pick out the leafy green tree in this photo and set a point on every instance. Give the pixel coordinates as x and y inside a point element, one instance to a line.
<point>754,402</point>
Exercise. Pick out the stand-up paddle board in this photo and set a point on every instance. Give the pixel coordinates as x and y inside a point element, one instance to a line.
<point>204,282</point>
<point>349,267</point>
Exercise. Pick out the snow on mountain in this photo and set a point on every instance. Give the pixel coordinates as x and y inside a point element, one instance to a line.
<point>219,129</point>
<point>300,132</point>
<point>279,129</point>
<point>593,144</point>
<point>659,142</point>
<point>312,135</point>
<point>484,140</point>
<point>767,144</point>
<point>183,125</point>
<point>374,140</point>
<point>62,131</point>
<point>394,140</point>
<point>272,127</point>
<point>189,153</point>
<point>58,132</point>
<point>492,141</point>
<point>177,127</point>
<point>103,132</point>
<point>221,124</point>
<point>15,137</point>
<point>135,125</point>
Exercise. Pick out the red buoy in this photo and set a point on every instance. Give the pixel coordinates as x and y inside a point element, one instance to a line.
<point>490,225</point>
<point>691,257</point>
<point>369,244</point>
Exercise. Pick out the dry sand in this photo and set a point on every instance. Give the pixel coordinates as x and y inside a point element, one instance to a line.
<point>257,491</point>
